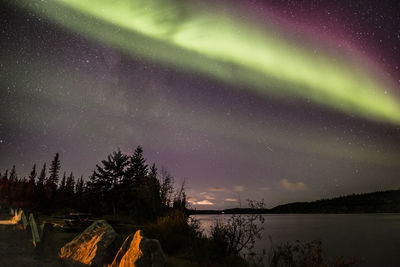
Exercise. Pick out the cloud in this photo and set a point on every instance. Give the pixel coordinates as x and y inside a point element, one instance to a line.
<point>204,202</point>
<point>217,189</point>
<point>207,195</point>
<point>192,200</point>
<point>299,186</point>
<point>238,188</point>
<point>231,200</point>
<point>265,188</point>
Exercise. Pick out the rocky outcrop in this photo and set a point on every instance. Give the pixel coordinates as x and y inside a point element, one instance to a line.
<point>96,246</point>
<point>15,219</point>
<point>139,251</point>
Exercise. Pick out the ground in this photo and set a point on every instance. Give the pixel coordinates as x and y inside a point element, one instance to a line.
<point>17,250</point>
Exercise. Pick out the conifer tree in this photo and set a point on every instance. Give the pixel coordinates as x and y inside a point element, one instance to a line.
<point>30,191</point>
<point>32,175</point>
<point>137,168</point>
<point>70,185</point>
<point>40,194</point>
<point>54,171</point>
<point>5,177</point>
<point>42,176</point>
<point>112,171</point>
<point>63,182</point>
<point>13,174</point>
<point>108,177</point>
<point>79,186</point>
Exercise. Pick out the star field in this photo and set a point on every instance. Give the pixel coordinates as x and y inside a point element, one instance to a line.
<point>235,130</point>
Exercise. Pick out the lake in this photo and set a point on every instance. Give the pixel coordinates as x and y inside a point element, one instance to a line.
<point>373,238</point>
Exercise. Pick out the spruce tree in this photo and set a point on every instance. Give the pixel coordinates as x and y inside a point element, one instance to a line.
<point>54,170</point>
<point>5,177</point>
<point>108,177</point>
<point>79,186</point>
<point>13,174</point>
<point>137,168</point>
<point>112,171</point>
<point>32,175</point>
<point>70,185</point>
<point>42,176</point>
<point>31,184</point>
<point>63,182</point>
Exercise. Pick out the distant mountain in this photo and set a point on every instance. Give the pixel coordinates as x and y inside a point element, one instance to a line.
<point>376,202</point>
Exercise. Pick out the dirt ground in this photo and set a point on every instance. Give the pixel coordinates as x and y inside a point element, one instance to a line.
<point>17,250</point>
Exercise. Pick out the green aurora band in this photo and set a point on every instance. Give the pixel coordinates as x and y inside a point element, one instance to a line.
<point>194,37</point>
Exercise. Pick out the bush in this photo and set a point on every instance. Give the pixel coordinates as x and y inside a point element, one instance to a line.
<point>239,232</point>
<point>175,231</point>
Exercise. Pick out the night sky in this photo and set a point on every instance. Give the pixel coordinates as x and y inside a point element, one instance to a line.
<point>281,100</point>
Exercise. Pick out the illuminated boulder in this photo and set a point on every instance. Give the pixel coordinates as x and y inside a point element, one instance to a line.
<point>96,246</point>
<point>139,251</point>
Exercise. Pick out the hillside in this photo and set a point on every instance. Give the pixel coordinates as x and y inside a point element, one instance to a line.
<point>375,202</point>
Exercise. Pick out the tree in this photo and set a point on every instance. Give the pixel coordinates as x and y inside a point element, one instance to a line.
<point>63,182</point>
<point>79,187</point>
<point>137,168</point>
<point>112,171</point>
<point>180,198</point>
<point>39,194</point>
<point>166,188</point>
<point>52,181</point>
<point>70,185</point>
<point>42,176</point>
<point>13,175</point>
<point>4,186</point>
<point>239,231</point>
<point>31,184</point>
<point>33,174</point>
<point>107,178</point>
<point>5,177</point>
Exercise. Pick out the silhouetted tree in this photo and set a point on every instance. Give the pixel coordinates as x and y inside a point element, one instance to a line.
<point>40,194</point>
<point>33,174</point>
<point>63,182</point>
<point>166,189</point>
<point>52,181</point>
<point>120,183</point>
<point>30,193</point>
<point>137,168</point>
<point>107,178</point>
<point>180,198</point>
<point>13,174</point>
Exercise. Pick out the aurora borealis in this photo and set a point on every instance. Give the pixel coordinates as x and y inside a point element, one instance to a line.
<point>234,51</point>
<point>250,99</point>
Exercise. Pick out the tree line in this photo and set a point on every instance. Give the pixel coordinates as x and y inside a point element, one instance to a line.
<point>121,185</point>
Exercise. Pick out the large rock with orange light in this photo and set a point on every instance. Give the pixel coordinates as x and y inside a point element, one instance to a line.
<point>96,246</point>
<point>139,251</point>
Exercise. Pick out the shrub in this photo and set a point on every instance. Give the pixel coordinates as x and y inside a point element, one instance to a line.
<point>239,232</point>
<point>175,231</point>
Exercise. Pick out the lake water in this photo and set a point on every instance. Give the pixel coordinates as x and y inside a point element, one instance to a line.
<point>373,238</point>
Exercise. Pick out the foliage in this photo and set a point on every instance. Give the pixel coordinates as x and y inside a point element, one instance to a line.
<point>121,185</point>
<point>240,231</point>
<point>175,231</point>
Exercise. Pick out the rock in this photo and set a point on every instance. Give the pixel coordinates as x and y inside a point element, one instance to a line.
<point>34,230</point>
<point>24,220</point>
<point>96,246</point>
<point>139,251</point>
